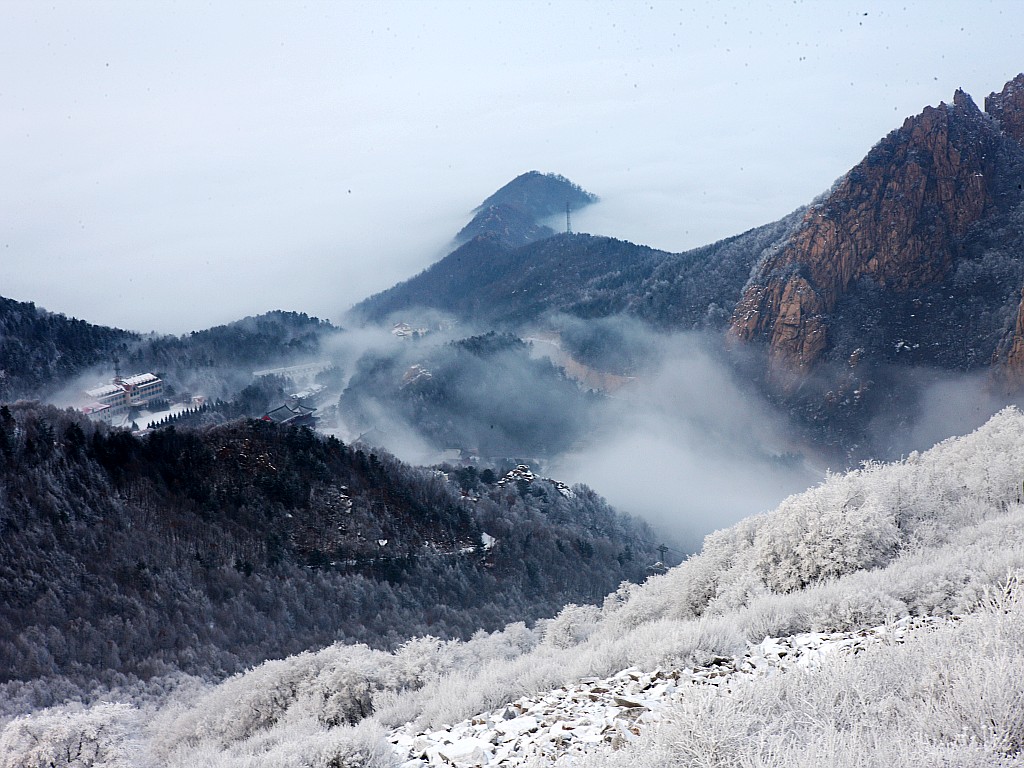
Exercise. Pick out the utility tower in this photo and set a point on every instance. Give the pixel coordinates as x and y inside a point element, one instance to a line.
<point>568,219</point>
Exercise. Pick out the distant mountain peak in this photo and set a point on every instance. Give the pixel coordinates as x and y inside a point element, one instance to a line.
<point>515,212</point>
<point>540,194</point>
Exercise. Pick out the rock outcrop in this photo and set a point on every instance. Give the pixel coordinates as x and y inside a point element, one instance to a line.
<point>598,716</point>
<point>898,221</point>
<point>1009,357</point>
<point>1008,108</point>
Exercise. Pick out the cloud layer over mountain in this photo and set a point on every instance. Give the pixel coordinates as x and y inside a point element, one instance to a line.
<point>235,161</point>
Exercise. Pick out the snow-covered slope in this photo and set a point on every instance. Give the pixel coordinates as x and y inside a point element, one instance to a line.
<point>938,534</point>
<point>597,716</point>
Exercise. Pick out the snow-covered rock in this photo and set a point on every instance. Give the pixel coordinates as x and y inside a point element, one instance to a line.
<point>607,713</point>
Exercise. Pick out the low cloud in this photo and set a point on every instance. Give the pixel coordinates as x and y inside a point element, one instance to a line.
<point>941,405</point>
<point>689,448</point>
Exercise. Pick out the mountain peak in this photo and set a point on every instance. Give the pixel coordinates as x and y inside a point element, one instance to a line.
<point>540,194</point>
<point>515,212</point>
<point>963,100</point>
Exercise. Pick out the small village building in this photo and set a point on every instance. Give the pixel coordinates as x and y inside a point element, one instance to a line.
<point>292,413</point>
<point>406,332</point>
<point>308,396</point>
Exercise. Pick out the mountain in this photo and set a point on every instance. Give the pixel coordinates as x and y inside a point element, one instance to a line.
<point>487,282</point>
<point>209,550</point>
<point>219,361</point>
<point>915,258</point>
<point>843,311</point>
<point>514,214</point>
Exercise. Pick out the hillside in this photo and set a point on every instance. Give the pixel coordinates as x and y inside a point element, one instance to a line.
<point>40,350</point>
<point>42,353</point>
<point>205,551</point>
<point>219,361</point>
<point>486,282</point>
<point>936,535</point>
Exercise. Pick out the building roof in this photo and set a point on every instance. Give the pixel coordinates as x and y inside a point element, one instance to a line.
<point>103,391</point>
<point>288,412</point>
<point>140,379</point>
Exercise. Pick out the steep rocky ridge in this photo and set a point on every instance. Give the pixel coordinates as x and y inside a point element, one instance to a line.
<point>895,265</point>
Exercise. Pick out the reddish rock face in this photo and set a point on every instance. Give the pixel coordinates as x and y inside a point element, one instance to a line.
<point>1009,358</point>
<point>1008,108</point>
<point>896,218</point>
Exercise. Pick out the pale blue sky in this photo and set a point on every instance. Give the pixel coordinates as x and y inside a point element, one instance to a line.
<point>175,165</point>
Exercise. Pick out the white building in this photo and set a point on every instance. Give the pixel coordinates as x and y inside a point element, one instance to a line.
<point>109,400</point>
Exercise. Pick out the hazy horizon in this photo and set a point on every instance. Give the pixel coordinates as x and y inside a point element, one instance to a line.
<point>171,167</point>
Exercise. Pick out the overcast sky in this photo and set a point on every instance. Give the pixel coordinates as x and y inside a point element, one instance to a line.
<point>171,166</point>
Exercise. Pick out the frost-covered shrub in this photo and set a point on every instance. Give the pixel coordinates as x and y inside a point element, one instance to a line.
<point>674,643</point>
<point>842,609</point>
<point>69,737</point>
<point>573,624</point>
<point>297,745</point>
<point>332,686</point>
<point>831,530</point>
<point>686,590</point>
<point>772,615</point>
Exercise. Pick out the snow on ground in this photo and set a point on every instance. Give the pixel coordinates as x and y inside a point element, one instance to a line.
<point>144,417</point>
<point>604,714</point>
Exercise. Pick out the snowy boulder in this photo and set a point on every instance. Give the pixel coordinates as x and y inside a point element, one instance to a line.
<point>466,751</point>
<point>518,726</point>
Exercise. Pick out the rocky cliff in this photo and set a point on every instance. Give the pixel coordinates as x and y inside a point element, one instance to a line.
<point>1008,108</point>
<point>900,241</point>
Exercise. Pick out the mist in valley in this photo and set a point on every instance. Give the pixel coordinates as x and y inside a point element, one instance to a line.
<point>657,423</point>
<point>941,404</point>
<point>687,445</point>
<point>666,426</point>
